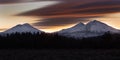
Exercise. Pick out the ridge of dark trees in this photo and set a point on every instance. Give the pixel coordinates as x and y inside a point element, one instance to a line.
<point>55,41</point>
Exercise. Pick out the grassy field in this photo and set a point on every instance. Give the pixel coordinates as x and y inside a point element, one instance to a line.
<point>60,54</point>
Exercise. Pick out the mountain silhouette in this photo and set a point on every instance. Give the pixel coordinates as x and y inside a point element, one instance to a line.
<point>91,29</point>
<point>22,28</point>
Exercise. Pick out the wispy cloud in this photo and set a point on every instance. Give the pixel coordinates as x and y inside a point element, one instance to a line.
<point>21,1</point>
<point>59,21</point>
<point>70,12</point>
<point>66,9</point>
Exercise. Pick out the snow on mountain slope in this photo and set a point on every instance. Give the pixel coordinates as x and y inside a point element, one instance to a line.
<point>91,29</point>
<point>97,26</point>
<point>78,27</point>
<point>22,28</point>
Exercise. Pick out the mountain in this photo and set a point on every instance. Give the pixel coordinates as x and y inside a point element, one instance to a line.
<point>79,27</point>
<point>21,28</point>
<point>97,26</point>
<point>91,29</point>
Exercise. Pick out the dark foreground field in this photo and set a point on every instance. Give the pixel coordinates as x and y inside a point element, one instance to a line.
<point>60,54</point>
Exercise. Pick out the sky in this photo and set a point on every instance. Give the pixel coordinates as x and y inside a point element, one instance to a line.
<point>55,15</point>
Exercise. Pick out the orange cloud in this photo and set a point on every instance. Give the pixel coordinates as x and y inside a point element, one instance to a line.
<point>78,9</point>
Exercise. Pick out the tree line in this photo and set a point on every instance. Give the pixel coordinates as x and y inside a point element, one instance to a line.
<point>55,41</point>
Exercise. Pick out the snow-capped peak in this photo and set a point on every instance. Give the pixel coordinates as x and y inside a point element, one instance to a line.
<point>94,22</point>
<point>92,28</point>
<point>26,24</point>
<point>78,27</point>
<point>20,28</point>
<point>97,26</point>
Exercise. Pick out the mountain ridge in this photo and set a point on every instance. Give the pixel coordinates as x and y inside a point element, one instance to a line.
<point>80,30</point>
<point>23,28</point>
<point>91,29</point>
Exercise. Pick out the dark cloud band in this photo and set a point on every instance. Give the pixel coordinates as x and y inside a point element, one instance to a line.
<point>70,12</point>
<point>98,7</point>
<point>61,21</point>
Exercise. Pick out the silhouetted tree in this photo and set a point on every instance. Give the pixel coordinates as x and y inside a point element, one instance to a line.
<point>46,40</point>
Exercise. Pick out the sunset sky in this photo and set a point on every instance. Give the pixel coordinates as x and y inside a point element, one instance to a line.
<point>54,15</point>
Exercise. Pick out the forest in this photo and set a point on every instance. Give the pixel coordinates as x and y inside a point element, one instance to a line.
<point>55,41</point>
